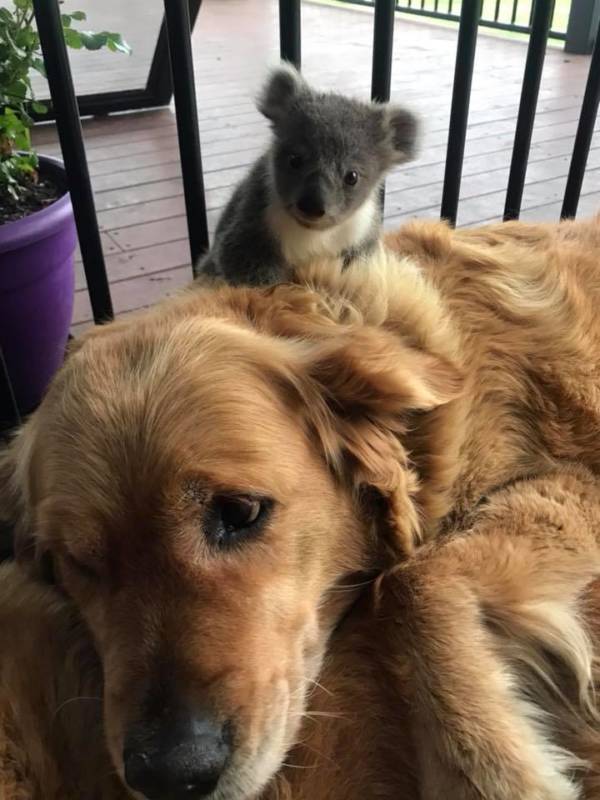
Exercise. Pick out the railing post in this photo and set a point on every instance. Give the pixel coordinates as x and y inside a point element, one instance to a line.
<point>159,85</point>
<point>383,51</point>
<point>9,410</point>
<point>583,24</point>
<point>536,52</point>
<point>177,18</point>
<point>56,60</point>
<point>583,138</point>
<point>290,37</point>
<point>470,14</point>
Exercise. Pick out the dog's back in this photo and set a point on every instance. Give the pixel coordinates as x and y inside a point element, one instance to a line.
<point>502,625</point>
<point>474,671</point>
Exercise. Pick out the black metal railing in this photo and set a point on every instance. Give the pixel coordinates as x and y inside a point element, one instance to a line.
<point>583,137</point>
<point>175,44</point>
<point>157,92</point>
<point>459,110</point>
<point>540,27</point>
<point>515,16</point>
<point>64,105</point>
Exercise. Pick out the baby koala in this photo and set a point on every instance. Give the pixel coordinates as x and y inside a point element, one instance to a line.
<point>315,192</point>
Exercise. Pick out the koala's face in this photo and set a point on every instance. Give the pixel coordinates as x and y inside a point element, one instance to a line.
<point>330,152</point>
<point>326,160</point>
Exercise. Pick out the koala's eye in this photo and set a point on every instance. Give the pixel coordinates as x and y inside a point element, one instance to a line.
<point>295,161</point>
<point>351,177</point>
<point>232,518</point>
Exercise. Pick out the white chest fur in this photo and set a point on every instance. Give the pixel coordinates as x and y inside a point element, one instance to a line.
<point>300,244</point>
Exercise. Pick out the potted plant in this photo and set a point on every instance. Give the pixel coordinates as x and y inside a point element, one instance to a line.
<point>37,229</point>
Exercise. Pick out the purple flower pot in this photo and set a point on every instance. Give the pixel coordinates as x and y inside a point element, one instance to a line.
<point>37,282</point>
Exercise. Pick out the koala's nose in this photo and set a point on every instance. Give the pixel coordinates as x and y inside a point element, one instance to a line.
<point>181,760</point>
<point>311,205</point>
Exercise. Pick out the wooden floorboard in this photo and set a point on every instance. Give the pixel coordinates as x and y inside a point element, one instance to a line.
<point>134,158</point>
<point>144,261</point>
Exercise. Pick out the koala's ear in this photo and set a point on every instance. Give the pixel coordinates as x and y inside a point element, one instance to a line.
<point>280,91</point>
<point>401,130</point>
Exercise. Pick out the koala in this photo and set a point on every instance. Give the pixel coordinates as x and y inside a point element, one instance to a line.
<point>316,191</point>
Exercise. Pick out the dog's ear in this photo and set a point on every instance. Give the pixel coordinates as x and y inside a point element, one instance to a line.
<point>13,468</point>
<point>361,385</point>
<point>16,486</point>
<point>401,134</point>
<point>281,90</point>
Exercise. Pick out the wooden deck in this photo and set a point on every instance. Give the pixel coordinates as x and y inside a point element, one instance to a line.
<point>134,159</point>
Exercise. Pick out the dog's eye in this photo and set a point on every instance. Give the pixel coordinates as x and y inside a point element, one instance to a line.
<point>351,177</point>
<point>231,518</point>
<point>295,160</point>
<point>238,512</point>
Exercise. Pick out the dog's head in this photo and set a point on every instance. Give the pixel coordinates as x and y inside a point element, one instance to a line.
<point>206,480</point>
<point>330,152</point>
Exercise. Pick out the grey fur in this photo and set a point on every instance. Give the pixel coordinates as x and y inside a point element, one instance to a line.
<point>318,139</point>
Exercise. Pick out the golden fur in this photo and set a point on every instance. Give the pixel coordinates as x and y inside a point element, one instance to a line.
<point>50,699</point>
<point>468,674</point>
<point>376,407</point>
<point>472,675</point>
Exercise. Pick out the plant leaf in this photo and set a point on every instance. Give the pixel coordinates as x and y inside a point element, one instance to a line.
<point>73,38</point>
<point>18,51</point>
<point>116,42</point>
<point>18,89</point>
<point>25,38</point>
<point>38,65</point>
<point>20,54</point>
<point>22,140</point>
<point>26,162</point>
<point>93,41</point>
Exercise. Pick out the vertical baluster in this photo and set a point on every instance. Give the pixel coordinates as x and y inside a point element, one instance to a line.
<point>583,138</point>
<point>68,124</point>
<point>290,33</point>
<point>542,14</point>
<point>177,18</point>
<point>470,14</point>
<point>383,49</point>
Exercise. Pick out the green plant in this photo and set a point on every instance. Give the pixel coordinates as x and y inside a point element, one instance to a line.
<point>20,56</point>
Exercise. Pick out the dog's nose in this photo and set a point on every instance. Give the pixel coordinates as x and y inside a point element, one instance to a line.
<point>311,205</point>
<point>180,761</point>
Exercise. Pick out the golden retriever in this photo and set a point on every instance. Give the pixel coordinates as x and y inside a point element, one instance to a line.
<point>467,674</point>
<point>216,481</point>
